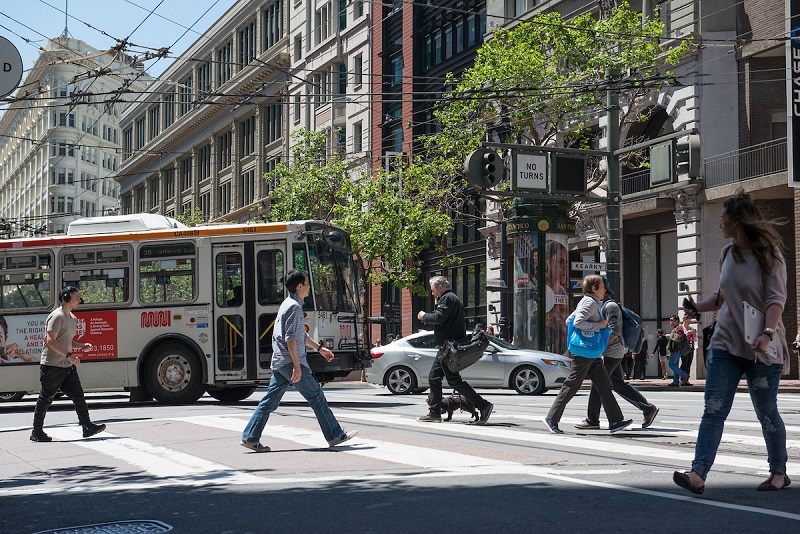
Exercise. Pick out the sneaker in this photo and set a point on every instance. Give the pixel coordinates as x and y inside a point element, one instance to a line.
<point>649,418</point>
<point>255,446</point>
<point>91,429</point>
<point>686,383</point>
<point>620,425</point>
<point>347,436</point>
<point>553,427</point>
<point>673,385</point>
<point>430,418</point>
<point>485,413</point>
<point>39,436</point>
<point>587,425</point>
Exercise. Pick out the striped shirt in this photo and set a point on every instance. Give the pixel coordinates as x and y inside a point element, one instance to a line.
<point>290,324</point>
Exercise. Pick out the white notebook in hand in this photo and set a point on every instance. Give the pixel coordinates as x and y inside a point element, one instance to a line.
<point>754,327</point>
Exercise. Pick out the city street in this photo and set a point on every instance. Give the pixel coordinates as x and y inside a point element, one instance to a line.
<point>182,467</point>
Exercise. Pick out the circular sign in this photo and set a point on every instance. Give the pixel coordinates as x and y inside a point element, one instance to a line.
<point>10,67</point>
<point>543,225</point>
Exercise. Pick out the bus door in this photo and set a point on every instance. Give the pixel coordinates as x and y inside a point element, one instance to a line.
<point>248,293</point>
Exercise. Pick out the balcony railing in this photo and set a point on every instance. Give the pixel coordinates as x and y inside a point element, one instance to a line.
<point>635,182</point>
<point>751,162</point>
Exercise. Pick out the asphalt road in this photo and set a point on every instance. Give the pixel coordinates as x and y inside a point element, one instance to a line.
<point>182,468</point>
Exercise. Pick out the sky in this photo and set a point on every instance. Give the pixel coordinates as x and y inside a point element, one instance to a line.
<point>38,20</point>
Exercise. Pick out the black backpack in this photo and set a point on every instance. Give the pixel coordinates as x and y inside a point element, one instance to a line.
<point>461,354</point>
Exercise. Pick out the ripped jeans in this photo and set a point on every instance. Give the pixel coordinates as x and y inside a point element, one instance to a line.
<point>722,378</point>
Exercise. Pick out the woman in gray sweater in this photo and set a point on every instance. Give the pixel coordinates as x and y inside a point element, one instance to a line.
<point>753,270</point>
<point>588,318</point>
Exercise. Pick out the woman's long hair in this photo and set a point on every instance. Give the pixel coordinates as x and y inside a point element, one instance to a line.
<point>762,234</point>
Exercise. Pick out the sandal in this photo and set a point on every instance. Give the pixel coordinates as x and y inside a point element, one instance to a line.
<point>683,480</point>
<point>767,484</point>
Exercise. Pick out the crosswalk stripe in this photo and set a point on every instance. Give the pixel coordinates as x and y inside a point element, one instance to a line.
<point>617,445</point>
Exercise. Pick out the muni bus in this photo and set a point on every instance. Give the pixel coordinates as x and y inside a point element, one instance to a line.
<point>173,311</point>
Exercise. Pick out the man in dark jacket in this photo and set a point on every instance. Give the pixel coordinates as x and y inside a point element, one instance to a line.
<point>448,325</point>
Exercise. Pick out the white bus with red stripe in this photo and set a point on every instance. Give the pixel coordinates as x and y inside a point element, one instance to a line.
<point>175,311</point>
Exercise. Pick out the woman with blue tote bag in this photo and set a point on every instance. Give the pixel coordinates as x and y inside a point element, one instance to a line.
<point>587,337</point>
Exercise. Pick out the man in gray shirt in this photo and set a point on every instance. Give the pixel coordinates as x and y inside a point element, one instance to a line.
<point>290,367</point>
<point>58,367</point>
<point>612,359</point>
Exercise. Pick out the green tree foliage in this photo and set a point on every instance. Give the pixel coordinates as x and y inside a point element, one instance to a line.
<point>311,184</point>
<point>544,77</point>
<point>192,218</point>
<point>391,217</point>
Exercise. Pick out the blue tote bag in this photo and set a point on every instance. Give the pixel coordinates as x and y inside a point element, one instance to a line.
<point>586,344</point>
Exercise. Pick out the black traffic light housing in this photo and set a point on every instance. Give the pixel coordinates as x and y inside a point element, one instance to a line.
<point>483,168</point>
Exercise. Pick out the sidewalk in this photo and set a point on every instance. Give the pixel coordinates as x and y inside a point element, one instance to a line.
<point>649,384</point>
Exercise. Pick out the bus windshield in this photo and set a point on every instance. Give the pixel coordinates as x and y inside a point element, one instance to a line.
<point>333,273</point>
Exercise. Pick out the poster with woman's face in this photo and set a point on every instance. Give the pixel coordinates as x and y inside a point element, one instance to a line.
<point>556,298</point>
<point>525,291</point>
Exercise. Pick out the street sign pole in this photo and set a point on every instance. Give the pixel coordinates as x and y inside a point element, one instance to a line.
<point>613,208</point>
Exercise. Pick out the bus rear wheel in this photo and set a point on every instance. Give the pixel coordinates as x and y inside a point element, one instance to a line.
<point>232,394</point>
<point>173,375</point>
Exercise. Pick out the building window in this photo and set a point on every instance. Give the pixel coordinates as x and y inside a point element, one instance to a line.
<point>297,109</point>
<point>139,128</point>
<point>154,119</point>
<point>127,143</point>
<point>247,45</point>
<point>152,186</point>
<point>204,87</point>
<point>185,96</point>
<point>273,127</point>
<point>224,150</point>
<point>138,200</point>
<point>247,187</point>
<point>224,198</point>
<point>342,79</point>
<point>396,65</point>
<point>321,18</point>
<point>298,47</point>
<point>247,136</point>
<point>437,47</point>
<point>204,163</point>
<point>448,42</point>
<point>358,9</point>
<point>272,24</point>
<point>342,14</point>
<point>205,206</point>
<point>185,168</point>
<point>471,30</point>
<point>169,184</point>
<point>358,70</point>
<point>169,109</point>
<point>224,61</point>
<point>357,137</point>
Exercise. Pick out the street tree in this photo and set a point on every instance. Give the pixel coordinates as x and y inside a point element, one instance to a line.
<point>392,216</point>
<point>544,81</point>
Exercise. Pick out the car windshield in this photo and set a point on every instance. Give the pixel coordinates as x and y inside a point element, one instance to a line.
<point>502,344</point>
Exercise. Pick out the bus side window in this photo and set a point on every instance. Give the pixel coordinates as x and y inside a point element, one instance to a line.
<point>167,273</point>
<point>25,282</point>
<point>270,277</point>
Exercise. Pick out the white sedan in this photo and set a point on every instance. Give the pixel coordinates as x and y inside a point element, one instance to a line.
<point>403,366</point>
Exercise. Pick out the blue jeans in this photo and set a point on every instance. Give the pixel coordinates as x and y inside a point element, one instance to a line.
<point>723,374</point>
<point>308,388</point>
<point>674,364</point>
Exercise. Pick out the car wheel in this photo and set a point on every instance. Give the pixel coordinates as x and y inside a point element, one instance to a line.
<point>11,396</point>
<point>527,380</point>
<point>233,394</point>
<point>173,374</point>
<point>401,381</point>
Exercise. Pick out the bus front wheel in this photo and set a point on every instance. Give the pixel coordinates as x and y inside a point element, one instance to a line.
<point>173,375</point>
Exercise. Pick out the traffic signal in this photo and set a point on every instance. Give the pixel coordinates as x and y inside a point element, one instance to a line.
<point>483,168</point>
<point>688,156</point>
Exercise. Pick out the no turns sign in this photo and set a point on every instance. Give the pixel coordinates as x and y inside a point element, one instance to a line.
<point>10,67</point>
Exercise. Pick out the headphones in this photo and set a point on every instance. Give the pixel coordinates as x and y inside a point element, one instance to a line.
<point>66,293</point>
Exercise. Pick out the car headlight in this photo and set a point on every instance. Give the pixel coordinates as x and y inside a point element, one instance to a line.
<point>556,363</point>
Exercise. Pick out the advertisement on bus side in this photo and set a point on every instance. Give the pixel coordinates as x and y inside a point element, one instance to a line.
<point>22,337</point>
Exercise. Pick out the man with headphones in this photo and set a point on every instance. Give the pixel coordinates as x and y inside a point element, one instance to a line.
<point>58,367</point>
